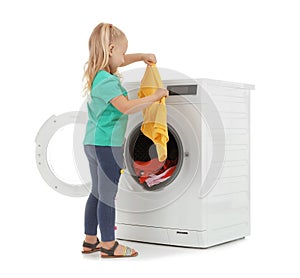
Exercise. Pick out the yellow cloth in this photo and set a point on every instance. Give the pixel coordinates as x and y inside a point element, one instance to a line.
<point>155,116</point>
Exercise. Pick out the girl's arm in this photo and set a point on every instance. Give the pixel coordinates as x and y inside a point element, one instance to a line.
<point>135,105</point>
<point>136,57</point>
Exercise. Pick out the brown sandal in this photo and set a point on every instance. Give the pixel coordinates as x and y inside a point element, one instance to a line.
<point>111,252</point>
<point>92,246</point>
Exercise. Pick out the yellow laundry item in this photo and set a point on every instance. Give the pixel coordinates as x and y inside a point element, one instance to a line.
<point>155,116</point>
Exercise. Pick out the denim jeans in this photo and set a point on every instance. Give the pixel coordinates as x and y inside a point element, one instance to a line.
<point>105,164</point>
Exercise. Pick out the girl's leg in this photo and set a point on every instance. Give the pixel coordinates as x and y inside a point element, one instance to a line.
<point>110,160</point>
<point>90,217</point>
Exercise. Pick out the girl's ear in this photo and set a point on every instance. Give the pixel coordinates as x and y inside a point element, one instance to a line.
<point>111,48</point>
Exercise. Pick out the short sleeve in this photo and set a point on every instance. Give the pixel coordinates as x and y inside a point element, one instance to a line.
<point>107,89</point>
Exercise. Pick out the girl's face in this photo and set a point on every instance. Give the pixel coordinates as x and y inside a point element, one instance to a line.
<point>117,54</point>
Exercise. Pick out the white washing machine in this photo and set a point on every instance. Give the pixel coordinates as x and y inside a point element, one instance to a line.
<point>207,199</point>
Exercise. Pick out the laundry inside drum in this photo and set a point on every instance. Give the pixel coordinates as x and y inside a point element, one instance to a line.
<point>143,162</point>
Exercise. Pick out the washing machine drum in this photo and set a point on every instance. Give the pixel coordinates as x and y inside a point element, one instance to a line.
<point>143,164</point>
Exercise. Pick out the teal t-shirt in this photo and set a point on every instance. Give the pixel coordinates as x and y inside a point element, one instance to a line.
<point>106,125</point>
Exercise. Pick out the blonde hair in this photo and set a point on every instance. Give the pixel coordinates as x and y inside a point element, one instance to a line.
<point>103,35</point>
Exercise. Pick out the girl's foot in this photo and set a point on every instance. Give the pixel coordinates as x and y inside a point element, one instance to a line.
<point>114,249</point>
<point>91,245</point>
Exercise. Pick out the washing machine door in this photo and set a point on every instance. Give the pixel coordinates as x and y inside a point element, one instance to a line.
<point>185,131</point>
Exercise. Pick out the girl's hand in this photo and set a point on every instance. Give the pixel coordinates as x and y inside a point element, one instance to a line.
<point>149,59</point>
<point>160,93</point>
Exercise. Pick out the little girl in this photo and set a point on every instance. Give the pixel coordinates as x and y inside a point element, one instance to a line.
<point>108,108</point>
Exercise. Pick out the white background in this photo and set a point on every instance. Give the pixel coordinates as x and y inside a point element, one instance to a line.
<point>43,50</point>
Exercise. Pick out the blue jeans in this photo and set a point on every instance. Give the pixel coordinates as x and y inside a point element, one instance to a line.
<point>105,164</point>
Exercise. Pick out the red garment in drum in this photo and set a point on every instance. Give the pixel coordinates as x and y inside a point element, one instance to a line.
<point>154,171</point>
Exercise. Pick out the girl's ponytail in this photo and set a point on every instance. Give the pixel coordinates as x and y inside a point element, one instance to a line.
<point>100,40</point>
